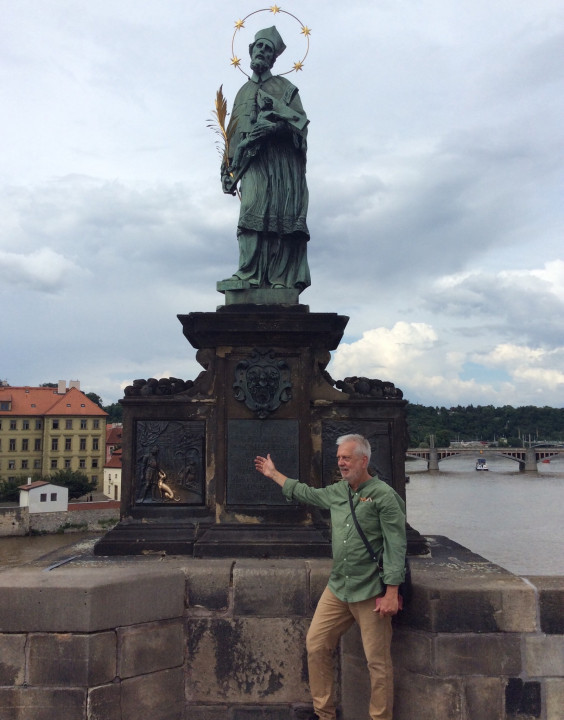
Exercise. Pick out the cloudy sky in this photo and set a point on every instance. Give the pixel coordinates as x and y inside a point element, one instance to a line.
<point>435,170</point>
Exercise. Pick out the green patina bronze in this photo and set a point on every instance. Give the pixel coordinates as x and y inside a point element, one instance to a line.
<point>267,158</point>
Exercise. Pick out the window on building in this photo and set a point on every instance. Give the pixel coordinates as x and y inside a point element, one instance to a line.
<point>12,445</point>
<point>82,464</point>
<point>83,424</point>
<point>11,478</point>
<point>55,424</point>
<point>25,425</point>
<point>95,424</point>
<point>43,497</point>
<point>68,424</point>
<point>67,464</point>
<point>54,464</point>
<point>95,444</point>
<point>68,443</point>
<point>25,445</point>
<point>95,479</point>
<point>94,462</point>
<point>37,464</point>
<point>11,464</point>
<point>5,405</point>
<point>53,497</point>
<point>54,443</point>
<point>82,444</point>
<point>37,444</point>
<point>13,425</point>
<point>24,464</point>
<point>38,424</point>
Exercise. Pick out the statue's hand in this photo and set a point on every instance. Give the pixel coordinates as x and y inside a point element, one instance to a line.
<point>227,184</point>
<point>262,129</point>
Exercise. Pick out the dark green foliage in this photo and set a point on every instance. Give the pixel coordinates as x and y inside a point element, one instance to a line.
<point>77,482</point>
<point>115,412</point>
<point>485,422</point>
<point>9,489</point>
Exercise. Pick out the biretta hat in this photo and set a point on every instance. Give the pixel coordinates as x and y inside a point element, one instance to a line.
<point>273,36</point>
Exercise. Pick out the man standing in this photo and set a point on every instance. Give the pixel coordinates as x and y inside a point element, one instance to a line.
<point>267,153</point>
<point>355,592</point>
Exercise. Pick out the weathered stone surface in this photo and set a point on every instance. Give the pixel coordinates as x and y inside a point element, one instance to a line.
<point>207,712</point>
<point>12,659</point>
<point>104,702</point>
<point>319,571</point>
<point>484,698</point>
<point>554,688</point>
<point>232,660</point>
<point>425,698</point>
<point>522,699</point>
<point>478,655</point>
<point>544,656</point>
<point>551,602</point>
<point>42,703</point>
<point>263,588</point>
<point>518,607</point>
<point>207,583</point>
<point>412,651</point>
<point>262,713</point>
<point>354,695</point>
<point>82,599</point>
<point>150,647</point>
<point>71,659</point>
<point>158,696</point>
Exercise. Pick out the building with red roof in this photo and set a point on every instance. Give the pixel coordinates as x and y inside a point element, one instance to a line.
<point>46,429</point>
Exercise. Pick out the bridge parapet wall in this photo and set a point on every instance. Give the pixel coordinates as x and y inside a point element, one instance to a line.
<point>187,639</point>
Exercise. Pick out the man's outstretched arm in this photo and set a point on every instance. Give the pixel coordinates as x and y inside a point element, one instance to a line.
<point>266,467</point>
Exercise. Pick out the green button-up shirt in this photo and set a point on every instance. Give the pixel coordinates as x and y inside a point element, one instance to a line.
<point>380,513</point>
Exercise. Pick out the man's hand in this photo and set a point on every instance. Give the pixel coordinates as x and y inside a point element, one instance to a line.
<point>390,603</point>
<point>265,466</point>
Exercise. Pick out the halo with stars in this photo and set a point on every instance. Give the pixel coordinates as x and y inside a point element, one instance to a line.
<point>274,9</point>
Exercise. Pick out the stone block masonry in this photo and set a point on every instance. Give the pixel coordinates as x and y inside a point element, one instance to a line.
<point>176,638</point>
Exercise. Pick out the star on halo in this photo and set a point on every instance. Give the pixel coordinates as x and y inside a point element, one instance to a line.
<point>298,66</point>
<point>275,9</point>
<point>239,24</point>
<point>235,61</point>
<point>305,30</point>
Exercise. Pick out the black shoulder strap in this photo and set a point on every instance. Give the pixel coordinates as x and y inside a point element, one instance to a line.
<point>377,557</point>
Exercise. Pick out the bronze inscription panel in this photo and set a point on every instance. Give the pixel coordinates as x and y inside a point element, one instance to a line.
<point>245,440</point>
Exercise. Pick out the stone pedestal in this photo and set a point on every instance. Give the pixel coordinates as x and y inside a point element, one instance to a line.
<point>188,481</point>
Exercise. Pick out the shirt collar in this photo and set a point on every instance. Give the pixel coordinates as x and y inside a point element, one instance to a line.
<point>261,78</point>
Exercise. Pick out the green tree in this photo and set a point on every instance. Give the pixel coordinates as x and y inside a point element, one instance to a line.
<point>95,398</point>
<point>9,490</point>
<point>115,412</point>
<point>77,482</point>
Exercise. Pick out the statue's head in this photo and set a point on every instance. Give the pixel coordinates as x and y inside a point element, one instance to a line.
<point>267,46</point>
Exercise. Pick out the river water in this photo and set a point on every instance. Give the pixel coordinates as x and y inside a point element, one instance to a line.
<point>513,519</point>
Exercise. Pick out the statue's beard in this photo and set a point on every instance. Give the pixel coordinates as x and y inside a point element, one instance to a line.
<point>259,65</point>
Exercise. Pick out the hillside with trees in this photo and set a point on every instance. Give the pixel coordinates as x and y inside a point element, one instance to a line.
<point>486,423</point>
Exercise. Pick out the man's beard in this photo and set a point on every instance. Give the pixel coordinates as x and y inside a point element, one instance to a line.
<point>259,65</point>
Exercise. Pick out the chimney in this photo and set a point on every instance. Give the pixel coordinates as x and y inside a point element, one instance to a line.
<point>74,384</point>
<point>29,481</point>
<point>62,387</point>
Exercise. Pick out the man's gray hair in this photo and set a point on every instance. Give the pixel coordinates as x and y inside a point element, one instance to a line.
<point>362,444</point>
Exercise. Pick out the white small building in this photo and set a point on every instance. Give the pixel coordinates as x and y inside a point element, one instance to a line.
<point>41,497</point>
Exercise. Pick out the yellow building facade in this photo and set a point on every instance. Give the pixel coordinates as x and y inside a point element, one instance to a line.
<point>43,430</point>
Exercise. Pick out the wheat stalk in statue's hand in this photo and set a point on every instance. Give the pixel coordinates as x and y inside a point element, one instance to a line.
<point>219,127</point>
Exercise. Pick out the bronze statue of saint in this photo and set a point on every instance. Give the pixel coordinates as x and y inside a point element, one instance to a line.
<point>267,155</point>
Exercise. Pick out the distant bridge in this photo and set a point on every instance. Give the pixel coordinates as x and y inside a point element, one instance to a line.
<point>526,457</point>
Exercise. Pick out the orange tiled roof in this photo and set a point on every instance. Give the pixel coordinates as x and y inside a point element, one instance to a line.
<point>113,435</point>
<point>36,484</point>
<point>114,461</point>
<point>47,401</point>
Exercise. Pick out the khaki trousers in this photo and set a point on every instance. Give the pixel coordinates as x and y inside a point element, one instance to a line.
<point>331,619</point>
